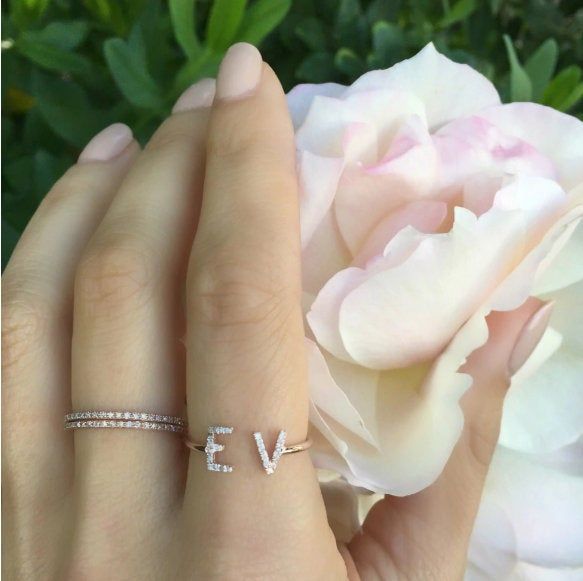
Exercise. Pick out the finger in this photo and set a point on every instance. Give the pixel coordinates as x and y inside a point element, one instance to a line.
<point>439,520</point>
<point>36,338</point>
<point>127,351</point>
<point>246,358</point>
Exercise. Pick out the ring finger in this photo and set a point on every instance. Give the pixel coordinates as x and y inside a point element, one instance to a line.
<point>127,353</point>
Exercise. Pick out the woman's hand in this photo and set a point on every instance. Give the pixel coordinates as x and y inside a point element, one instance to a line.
<point>193,241</point>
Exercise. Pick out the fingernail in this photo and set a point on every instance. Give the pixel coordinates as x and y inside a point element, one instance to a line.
<point>529,337</point>
<point>240,71</point>
<point>107,143</point>
<point>197,96</point>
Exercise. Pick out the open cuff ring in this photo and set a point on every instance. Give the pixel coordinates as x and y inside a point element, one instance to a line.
<point>212,447</point>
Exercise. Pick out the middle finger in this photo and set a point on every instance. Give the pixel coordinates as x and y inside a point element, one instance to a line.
<point>127,353</point>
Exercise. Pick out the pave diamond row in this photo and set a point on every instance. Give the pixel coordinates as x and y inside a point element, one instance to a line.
<point>141,416</point>
<point>213,467</point>
<point>270,464</point>
<point>135,424</point>
<point>213,448</point>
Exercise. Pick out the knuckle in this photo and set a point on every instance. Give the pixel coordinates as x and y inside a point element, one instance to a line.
<point>114,277</point>
<point>170,136</point>
<point>24,323</point>
<point>229,292</point>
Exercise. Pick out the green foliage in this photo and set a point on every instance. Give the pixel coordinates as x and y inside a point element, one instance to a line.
<point>183,23</point>
<point>73,66</point>
<point>223,23</point>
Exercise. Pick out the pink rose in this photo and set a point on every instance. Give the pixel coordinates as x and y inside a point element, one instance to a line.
<point>426,205</point>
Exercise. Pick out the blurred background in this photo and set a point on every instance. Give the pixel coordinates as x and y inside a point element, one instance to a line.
<point>71,67</point>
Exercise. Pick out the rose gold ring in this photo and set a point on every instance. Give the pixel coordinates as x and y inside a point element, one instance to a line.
<point>212,447</point>
<point>124,420</point>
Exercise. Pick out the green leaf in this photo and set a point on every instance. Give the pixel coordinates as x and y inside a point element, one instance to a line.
<point>312,32</point>
<point>27,12</point>
<point>10,237</point>
<point>573,99</point>
<point>47,170</point>
<point>18,174</point>
<point>110,13</point>
<point>63,35</point>
<point>52,58</point>
<point>461,10</point>
<point>348,11</point>
<point>261,18</point>
<point>206,65</point>
<point>351,28</point>
<point>388,43</point>
<point>349,63</point>
<point>520,84</point>
<point>540,67</point>
<point>66,108</point>
<point>317,68</point>
<point>182,14</point>
<point>131,75</point>
<point>223,23</point>
<point>387,10</point>
<point>495,6</point>
<point>564,91</point>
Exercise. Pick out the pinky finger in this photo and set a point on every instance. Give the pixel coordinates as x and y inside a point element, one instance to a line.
<point>36,311</point>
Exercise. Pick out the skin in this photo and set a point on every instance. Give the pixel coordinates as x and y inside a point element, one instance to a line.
<point>94,316</point>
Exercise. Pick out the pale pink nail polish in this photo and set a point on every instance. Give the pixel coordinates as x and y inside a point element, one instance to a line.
<point>197,96</point>
<point>529,337</point>
<point>107,143</point>
<point>240,72</point>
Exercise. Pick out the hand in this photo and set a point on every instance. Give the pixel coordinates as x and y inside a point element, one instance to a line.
<point>94,317</point>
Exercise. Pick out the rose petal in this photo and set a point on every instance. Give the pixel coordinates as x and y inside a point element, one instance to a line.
<point>368,194</point>
<point>301,97</point>
<point>415,413</point>
<point>544,407</point>
<point>544,506</point>
<point>528,572</point>
<point>448,89</point>
<point>330,399</point>
<point>326,128</point>
<point>565,264</point>
<point>383,321</point>
<point>324,256</point>
<point>318,183</point>
<point>423,216</point>
<point>474,145</point>
<point>341,504</point>
<point>492,552</point>
<point>522,281</point>
<point>554,134</point>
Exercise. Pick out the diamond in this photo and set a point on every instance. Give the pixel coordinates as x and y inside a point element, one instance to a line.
<point>270,464</point>
<point>212,447</point>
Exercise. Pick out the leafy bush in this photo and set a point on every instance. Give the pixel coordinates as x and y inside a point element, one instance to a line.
<point>71,67</point>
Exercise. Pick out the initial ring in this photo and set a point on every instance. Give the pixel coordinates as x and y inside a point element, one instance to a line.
<point>213,447</point>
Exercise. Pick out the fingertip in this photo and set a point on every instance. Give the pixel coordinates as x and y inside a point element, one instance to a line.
<point>107,144</point>
<point>240,72</point>
<point>197,96</point>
